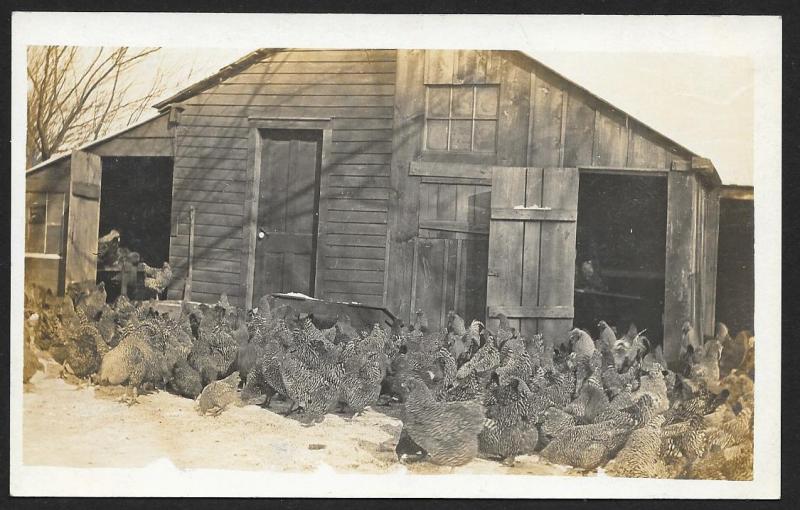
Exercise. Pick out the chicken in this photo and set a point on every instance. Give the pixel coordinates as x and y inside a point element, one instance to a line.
<point>91,301</point>
<point>421,322</point>
<point>554,422</point>
<point>157,279</point>
<point>185,380</point>
<point>362,387</point>
<point>487,358</point>
<point>85,347</point>
<point>108,249</point>
<point>459,338</point>
<point>515,362</point>
<point>30,362</point>
<point>216,348</point>
<point>218,395</point>
<point>447,431</point>
<point>640,457</point>
<point>510,427</point>
<point>581,343</point>
<point>700,405</point>
<point>585,446</point>
<point>652,382</point>
<point>690,344</point>
<point>134,362</point>
<point>590,401</point>
<point>630,417</point>
<point>607,339</point>
<point>706,362</point>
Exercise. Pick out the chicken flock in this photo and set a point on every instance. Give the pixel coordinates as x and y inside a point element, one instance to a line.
<point>610,403</point>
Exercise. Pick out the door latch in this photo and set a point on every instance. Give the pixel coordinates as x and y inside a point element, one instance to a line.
<point>261,234</point>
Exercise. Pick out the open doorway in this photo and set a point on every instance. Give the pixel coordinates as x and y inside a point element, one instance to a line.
<point>136,200</point>
<point>621,245</point>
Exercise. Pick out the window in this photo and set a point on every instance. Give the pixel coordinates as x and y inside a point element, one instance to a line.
<point>44,218</point>
<point>461,118</point>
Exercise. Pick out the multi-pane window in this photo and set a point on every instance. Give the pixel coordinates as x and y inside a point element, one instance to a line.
<point>461,118</point>
<point>44,222</point>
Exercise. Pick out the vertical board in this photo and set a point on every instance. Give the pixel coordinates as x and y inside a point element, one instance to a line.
<point>610,139</point>
<point>680,256</point>
<point>532,249</point>
<point>579,131</point>
<point>711,229</point>
<point>557,250</point>
<point>438,66</point>
<point>470,66</point>
<point>403,218</point>
<point>532,239</point>
<point>504,285</point>
<point>84,217</point>
<point>514,111</point>
<point>545,138</point>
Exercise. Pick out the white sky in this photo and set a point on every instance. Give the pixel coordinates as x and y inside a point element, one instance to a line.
<point>704,103</point>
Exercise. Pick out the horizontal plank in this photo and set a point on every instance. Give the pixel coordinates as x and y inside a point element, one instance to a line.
<point>354,263</point>
<point>234,232</point>
<point>362,135</point>
<point>210,174</point>
<point>361,123</point>
<point>214,276</point>
<point>352,112</point>
<point>375,181</point>
<point>201,131</point>
<point>351,286</point>
<point>357,240</point>
<point>134,147</point>
<point>357,158</point>
<point>86,190</point>
<point>358,169</point>
<point>369,147</point>
<point>365,193</point>
<point>195,163</point>
<point>201,183</point>
<point>332,55</point>
<point>457,180</point>
<point>430,169</point>
<point>532,312</point>
<point>376,252</point>
<point>221,220</point>
<point>214,140</point>
<point>191,123</point>
<point>332,227</point>
<point>505,213</point>
<point>220,243</point>
<point>182,194</point>
<point>229,153</point>
<point>225,266</point>
<point>230,209</point>
<point>349,275</point>
<point>364,217</point>
<point>179,252</point>
<point>269,68</point>
<point>358,205</point>
<point>271,89</point>
<point>214,288</point>
<point>299,100</point>
<point>317,79</point>
<point>453,226</point>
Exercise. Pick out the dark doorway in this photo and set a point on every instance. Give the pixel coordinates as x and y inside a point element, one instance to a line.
<point>621,244</point>
<point>136,200</point>
<point>735,276</point>
<point>288,212</point>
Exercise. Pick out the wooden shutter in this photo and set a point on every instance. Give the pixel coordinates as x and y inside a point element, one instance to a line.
<point>532,249</point>
<point>84,217</point>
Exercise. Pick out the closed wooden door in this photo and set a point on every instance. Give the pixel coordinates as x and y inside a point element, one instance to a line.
<point>532,249</point>
<point>84,217</point>
<point>288,212</point>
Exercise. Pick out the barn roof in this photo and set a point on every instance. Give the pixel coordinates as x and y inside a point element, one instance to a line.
<point>91,144</point>
<point>257,55</point>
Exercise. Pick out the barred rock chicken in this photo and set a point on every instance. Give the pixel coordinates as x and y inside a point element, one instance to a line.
<point>134,362</point>
<point>515,362</point>
<point>185,380</point>
<point>447,431</point>
<point>487,358</point>
<point>510,426</point>
<point>607,339</point>
<point>85,347</point>
<point>640,457</point>
<point>266,380</point>
<point>590,401</point>
<point>586,446</point>
<point>157,279</point>
<point>218,395</point>
<point>700,405</point>
<point>215,349</point>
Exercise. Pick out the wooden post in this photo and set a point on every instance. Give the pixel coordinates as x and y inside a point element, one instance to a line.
<point>124,276</point>
<point>187,293</point>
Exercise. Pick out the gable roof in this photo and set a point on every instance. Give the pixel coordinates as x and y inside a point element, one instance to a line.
<point>258,55</point>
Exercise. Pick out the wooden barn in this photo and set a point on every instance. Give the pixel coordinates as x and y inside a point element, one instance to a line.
<point>478,181</point>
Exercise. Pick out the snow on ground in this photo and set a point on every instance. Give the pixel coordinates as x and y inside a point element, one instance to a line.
<point>66,425</point>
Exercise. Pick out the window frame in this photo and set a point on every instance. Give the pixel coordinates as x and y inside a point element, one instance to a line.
<point>44,253</point>
<point>473,119</point>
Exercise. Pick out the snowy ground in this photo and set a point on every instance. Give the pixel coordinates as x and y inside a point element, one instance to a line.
<point>64,425</point>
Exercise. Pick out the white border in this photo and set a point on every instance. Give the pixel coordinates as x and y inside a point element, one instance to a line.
<point>758,38</point>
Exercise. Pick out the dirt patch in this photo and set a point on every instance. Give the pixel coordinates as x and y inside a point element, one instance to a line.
<point>67,425</point>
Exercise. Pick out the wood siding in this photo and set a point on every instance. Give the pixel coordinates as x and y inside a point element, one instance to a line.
<point>353,87</point>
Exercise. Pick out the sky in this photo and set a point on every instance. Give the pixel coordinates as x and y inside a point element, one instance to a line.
<point>704,103</point>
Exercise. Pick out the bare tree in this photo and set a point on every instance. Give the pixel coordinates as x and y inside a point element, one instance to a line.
<point>75,95</point>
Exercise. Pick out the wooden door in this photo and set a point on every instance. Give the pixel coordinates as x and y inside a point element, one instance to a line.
<point>84,218</point>
<point>532,249</point>
<point>288,212</point>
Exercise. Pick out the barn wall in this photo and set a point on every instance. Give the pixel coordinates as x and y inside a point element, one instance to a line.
<point>48,272</point>
<point>355,88</point>
<point>543,121</point>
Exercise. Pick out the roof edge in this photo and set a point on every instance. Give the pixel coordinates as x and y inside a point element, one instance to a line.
<point>91,144</point>
<point>223,74</point>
